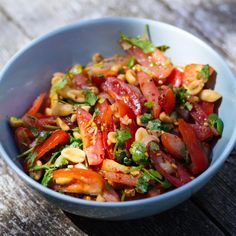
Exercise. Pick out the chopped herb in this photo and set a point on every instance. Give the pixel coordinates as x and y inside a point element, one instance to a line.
<point>34,130</point>
<point>140,42</point>
<point>151,174</point>
<point>149,105</point>
<point>154,125</point>
<point>60,162</point>
<point>122,135</point>
<point>47,176</point>
<point>145,118</point>
<point>101,100</point>
<point>90,97</point>
<point>128,161</point>
<point>76,69</point>
<point>31,158</point>
<point>216,122</point>
<point>158,125</point>
<point>135,168</point>
<point>163,48</point>
<point>130,62</point>
<point>15,122</point>
<point>138,152</point>
<point>75,142</point>
<point>174,115</point>
<point>180,96</point>
<point>59,84</point>
<point>188,105</point>
<point>122,196</point>
<point>204,73</point>
<point>154,146</point>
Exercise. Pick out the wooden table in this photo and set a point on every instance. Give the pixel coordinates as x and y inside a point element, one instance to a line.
<point>212,211</point>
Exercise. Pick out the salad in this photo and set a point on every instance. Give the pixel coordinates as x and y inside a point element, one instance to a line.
<point>122,128</point>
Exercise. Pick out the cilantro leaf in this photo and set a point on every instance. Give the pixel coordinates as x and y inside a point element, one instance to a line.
<point>216,122</point>
<point>144,44</point>
<point>90,97</point>
<point>149,105</point>
<point>47,177</point>
<point>143,184</point>
<point>60,162</point>
<point>138,152</point>
<point>204,73</point>
<point>122,135</point>
<point>163,48</point>
<point>59,84</point>
<point>130,62</point>
<point>145,118</point>
<point>158,125</point>
<point>180,96</point>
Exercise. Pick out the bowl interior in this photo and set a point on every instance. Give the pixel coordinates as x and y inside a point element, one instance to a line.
<point>29,72</point>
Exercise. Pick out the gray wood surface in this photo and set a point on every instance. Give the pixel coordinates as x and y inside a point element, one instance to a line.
<point>212,211</point>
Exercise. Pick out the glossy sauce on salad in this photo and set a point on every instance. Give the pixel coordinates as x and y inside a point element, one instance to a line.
<point>122,128</point>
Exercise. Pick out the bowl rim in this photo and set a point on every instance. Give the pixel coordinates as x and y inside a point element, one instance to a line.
<point>178,191</point>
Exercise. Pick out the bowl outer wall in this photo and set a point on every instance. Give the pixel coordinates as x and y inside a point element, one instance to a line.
<point>79,41</point>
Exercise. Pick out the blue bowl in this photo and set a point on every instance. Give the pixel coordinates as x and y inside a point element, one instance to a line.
<point>29,71</point>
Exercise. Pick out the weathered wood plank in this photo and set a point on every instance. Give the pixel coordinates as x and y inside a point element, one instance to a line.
<point>215,20</point>
<point>24,212</point>
<point>186,219</point>
<point>11,40</point>
<point>26,19</point>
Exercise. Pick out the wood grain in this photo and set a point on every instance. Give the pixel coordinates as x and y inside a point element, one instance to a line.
<point>213,209</point>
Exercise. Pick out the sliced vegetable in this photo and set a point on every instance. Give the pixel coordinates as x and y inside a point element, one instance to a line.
<point>82,181</point>
<point>91,137</point>
<point>36,104</point>
<point>199,160</point>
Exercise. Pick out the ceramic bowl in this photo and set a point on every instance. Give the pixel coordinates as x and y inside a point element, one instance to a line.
<point>29,71</point>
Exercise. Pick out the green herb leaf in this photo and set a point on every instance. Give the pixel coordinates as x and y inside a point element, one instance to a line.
<point>47,177</point>
<point>180,96</point>
<point>145,118</point>
<point>76,69</point>
<point>90,97</point>
<point>149,105</point>
<point>154,147</point>
<point>59,84</point>
<point>158,125</point>
<point>216,122</point>
<point>122,135</point>
<point>130,62</point>
<point>143,185</point>
<point>138,152</point>
<point>204,73</point>
<point>60,162</point>
<point>34,130</point>
<point>163,48</point>
<point>146,45</point>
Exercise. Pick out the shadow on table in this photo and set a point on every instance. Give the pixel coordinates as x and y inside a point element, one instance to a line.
<point>185,219</point>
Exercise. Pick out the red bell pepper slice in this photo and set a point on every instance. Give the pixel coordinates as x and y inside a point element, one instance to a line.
<point>197,154</point>
<point>56,138</point>
<point>36,104</point>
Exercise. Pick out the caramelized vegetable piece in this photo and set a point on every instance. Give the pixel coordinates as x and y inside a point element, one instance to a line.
<point>199,160</point>
<point>120,178</point>
<point>83,181</point>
